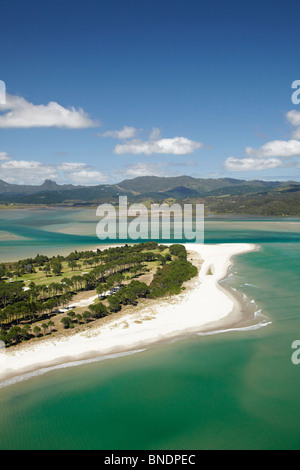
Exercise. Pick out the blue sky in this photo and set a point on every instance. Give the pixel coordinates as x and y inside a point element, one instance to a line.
<point>99,91</point>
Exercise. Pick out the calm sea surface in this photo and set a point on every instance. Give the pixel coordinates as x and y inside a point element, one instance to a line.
<point>234,390</point>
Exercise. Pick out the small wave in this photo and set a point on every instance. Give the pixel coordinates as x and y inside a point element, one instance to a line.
<point>262,321</point>
<point>66,365</point>
<point>252,285</point>
<point>257,326</point>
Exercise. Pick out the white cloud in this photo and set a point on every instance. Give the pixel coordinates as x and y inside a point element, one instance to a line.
<point>152,169</point>
<point>155,134</point>
<point>4,156</point>
<point>87,177</point>
<point>277,149</point>
<point>268,156</point>
<point>72,166</point>
<point>19,113</point>
<point>26,172</point>
<point>252,164</point>
<point>126,132</point>
<point>143,169</point>
<point>20,165</point>
<point>273,154</point>
<point>156,145</point>
<point>293,118</point>
<point>81,173</point>
<point>296,134</point>
<point>34,173</point>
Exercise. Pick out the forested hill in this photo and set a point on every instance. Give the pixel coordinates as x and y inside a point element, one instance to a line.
<point>220,196</point>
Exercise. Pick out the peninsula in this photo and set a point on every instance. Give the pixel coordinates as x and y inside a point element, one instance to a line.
<point>161,310</point>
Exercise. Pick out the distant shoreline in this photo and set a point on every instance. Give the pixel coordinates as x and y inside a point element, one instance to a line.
<point>209,215</point>
<point>205,306</point>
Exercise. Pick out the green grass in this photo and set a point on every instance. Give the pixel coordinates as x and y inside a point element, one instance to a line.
<point>40,277</point>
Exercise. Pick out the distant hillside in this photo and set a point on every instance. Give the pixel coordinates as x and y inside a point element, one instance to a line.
<point>164,184</point>
<point>280,202</point>
<point>16,189</point>
<point>71,195</point>
<point>220,196</point>
<point>200,185</point>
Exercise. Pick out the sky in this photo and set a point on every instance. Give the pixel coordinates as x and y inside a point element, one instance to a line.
<point>101,91</point>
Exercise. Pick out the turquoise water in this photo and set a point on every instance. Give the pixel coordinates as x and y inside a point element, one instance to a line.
<point>39,231</point>
<point>50,231</point>
<point>235,390</point>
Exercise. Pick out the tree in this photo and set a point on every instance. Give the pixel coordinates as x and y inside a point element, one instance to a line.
<point>45,327</point>
<point>101,289</point>
<point>86,315</point>
<point>114,304</point>
<point>15,333</point>
<point>169,279</point>
<point>140,288</point>
<point>178,250</point>
<point>67,284</point>
<point>99,310</point>
<point>65,299</point>
<point>32,286</point>
<point>56,267</point>
<point>47,269</point>
<point>72,264</point>
<point>26,331</point>
<point>2,270</point>
<point>66,321</point>
<point>71,314</point>
<point>37,330</point>
<point>78,317</point>
<point>130,296</point>
<point>4,337</point>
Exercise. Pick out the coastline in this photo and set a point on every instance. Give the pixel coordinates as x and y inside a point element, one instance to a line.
<point>205,307</point>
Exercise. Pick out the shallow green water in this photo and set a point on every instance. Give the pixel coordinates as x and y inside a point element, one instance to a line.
<point>234,390</point>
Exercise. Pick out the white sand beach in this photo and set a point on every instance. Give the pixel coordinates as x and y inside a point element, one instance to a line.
<point>205,305</point>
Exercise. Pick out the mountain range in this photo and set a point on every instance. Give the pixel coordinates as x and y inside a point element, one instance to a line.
<point>220,196</point>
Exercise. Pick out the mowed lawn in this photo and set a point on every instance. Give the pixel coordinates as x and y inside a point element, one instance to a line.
<point>40,277</point>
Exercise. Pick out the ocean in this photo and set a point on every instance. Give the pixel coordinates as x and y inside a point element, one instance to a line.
<point>231,390</point>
